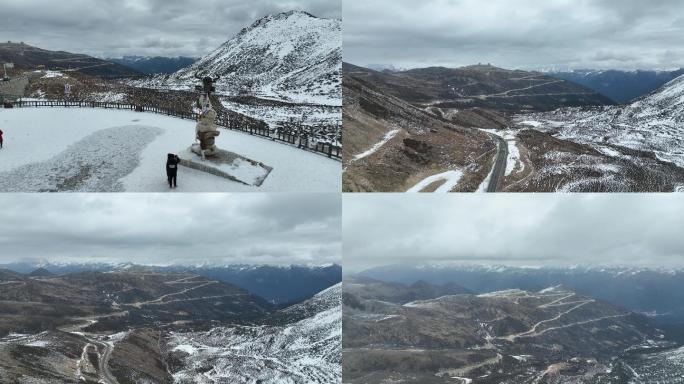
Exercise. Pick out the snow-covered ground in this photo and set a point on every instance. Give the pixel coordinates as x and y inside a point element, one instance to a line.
<point>97,150</point>
<point>653,123</point>
<point>306,351</point>
<point>277,115</point>
<point>450,178</point>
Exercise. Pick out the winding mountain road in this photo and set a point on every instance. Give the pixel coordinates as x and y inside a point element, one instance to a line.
<point>105,374</point>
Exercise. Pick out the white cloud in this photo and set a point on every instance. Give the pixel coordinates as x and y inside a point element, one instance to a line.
<point>112,29</point>
<point>519,230</point>
<point>163,229</point>
<point>528,34</point>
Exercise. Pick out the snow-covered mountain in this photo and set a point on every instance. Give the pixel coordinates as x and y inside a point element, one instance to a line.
<point>291,56</point>
<point>653,123</point>
<point>303,351</point>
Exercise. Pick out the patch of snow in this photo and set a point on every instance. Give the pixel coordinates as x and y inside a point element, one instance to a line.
<point>485,183</point>
<point>38,343</point>
<point>531,123</point>
<point>451,179</point>
<point>53,74</point>
<point>187,348</point>
<point>388,136</point>
<point>513,158</point>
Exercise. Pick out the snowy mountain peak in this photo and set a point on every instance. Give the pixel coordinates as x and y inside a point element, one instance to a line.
<point>292,56</point>
<point>280,16</point>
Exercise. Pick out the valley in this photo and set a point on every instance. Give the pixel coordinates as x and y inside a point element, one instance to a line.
<point>552,135</point>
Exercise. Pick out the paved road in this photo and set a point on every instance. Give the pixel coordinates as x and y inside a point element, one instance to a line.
<point>499,166</point>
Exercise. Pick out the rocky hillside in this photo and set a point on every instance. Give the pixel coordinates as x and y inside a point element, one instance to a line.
<point>291,56</point>
<point>302,351</point>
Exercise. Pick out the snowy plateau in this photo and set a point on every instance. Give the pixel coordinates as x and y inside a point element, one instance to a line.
<point>95,150</point>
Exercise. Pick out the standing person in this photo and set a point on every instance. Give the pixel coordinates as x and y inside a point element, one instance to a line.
<point>1,138</point>
<point>172,169</point>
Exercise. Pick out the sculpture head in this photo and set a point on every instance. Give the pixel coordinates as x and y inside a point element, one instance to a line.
<point>207,83</point>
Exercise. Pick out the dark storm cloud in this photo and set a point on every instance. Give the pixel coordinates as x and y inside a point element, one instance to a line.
<point>517,230</point>
<point>529,34</point>
<point>141,27</point>
<point>163,229</point>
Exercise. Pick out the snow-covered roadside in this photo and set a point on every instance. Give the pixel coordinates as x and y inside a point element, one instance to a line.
<point>35,135</point>
<point>388,136</point>
<point>485,183</point>
<point>451,179</point>
<point>513,159</point>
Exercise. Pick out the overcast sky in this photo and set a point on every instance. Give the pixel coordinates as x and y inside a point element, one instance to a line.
<point>172,229</point>
<point>106,28</point>
<point>514,230</point>
<point>526,34</point>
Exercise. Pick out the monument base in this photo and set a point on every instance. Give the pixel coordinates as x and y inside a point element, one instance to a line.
<point>226,164</point>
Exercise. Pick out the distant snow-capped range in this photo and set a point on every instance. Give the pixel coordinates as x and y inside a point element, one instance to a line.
<point>500,268</point>
<point>154,65</point>
<point>92,265</point>
<point>293,57</point>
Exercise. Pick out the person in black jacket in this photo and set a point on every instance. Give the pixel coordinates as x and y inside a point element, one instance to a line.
<point>172,169</point>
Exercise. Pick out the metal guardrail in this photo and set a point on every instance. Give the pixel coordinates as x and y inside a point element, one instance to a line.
<point>301,139</point>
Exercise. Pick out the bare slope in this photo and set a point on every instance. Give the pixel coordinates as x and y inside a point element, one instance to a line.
<point>483,86</point>
<point>390,145</point>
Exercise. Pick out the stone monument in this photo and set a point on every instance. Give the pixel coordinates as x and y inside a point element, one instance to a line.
<point>206,130</point>
<point>213,160</point>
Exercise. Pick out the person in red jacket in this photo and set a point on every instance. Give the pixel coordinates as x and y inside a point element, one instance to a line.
<point>0,138</point>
